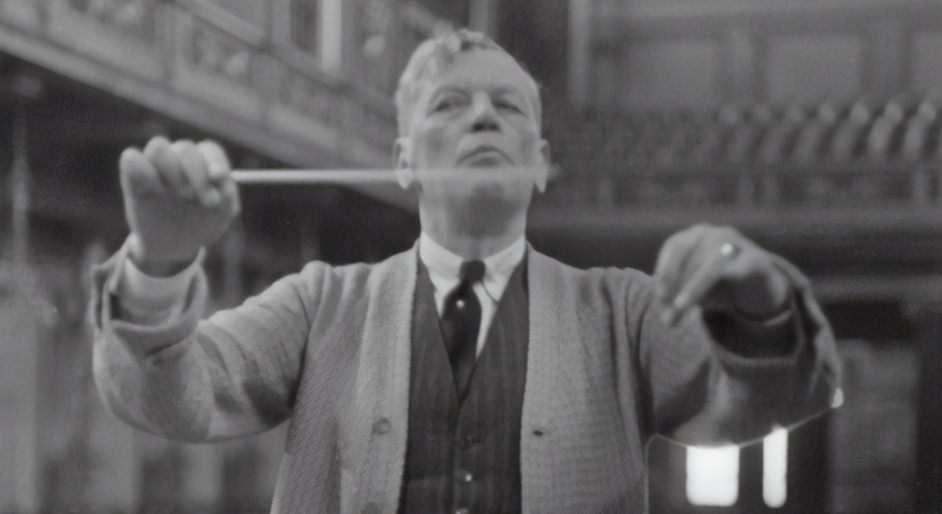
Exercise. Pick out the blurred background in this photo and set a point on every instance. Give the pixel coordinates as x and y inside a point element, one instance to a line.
<point>811,125</point>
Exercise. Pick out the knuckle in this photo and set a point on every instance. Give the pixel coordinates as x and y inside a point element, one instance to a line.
<point>210,145</point>
<point>675,238</point>
<point>182,146</point>
<point>156,145</point>
<point>158,140</point>
<point>730,232</point>
<point>126,161</point>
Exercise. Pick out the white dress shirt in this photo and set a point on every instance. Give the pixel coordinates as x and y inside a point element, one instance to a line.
<point>444,267</point>
<point>151,300</point>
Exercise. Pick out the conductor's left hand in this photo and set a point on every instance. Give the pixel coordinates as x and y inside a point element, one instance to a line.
<point>718,268</point>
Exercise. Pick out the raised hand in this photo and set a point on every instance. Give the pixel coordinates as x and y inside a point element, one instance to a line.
<point>178,197</point>
<point>718,268</point>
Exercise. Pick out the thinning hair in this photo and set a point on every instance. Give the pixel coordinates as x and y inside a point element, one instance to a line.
<point>428,58</point>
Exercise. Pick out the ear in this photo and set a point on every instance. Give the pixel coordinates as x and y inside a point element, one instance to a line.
<point>542,173</point>
<point>404,172</point>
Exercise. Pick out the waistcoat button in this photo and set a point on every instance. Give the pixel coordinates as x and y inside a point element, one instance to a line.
<point>382,426</point>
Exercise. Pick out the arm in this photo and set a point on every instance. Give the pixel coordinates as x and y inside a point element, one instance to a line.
<point>716,371</point>
<point>233,374</point>
<point>158,366</point>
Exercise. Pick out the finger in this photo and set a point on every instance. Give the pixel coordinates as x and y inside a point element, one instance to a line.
<point>230,197</point>
<point>701,282</point>
<point>757,287</point>
<point>194,169</point>
<point>217,163</point>
<point>672,263</point>
<point>138,175</point>
<point>159,152</point>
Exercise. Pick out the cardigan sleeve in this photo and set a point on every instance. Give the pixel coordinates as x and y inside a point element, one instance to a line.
<point>701,386</point>
<point>192,379</point>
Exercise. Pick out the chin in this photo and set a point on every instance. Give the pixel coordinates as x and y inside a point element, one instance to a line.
<point>491,204</point>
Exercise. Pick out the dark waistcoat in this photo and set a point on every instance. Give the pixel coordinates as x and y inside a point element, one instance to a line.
<point>466,456</point>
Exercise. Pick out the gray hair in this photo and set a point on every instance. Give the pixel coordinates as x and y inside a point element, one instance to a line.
<point>429,56</point>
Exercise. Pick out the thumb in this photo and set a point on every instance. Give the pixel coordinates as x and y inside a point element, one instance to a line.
<point>230,197</point>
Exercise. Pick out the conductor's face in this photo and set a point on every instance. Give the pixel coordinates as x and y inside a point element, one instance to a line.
<point>474,140</point>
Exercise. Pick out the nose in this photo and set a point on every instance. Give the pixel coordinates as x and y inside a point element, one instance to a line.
<point>485,115</point>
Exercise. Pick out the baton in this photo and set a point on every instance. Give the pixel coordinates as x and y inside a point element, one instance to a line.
<point>370,176</point>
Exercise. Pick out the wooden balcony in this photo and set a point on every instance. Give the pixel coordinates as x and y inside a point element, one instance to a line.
<point>853,194</point>
<point>201,66</point>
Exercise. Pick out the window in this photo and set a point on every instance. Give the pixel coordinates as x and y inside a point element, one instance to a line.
<point>713,473</point>
<point>304,25</point>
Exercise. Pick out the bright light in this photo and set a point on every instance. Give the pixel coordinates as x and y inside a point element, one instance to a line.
<point>838,399</point>
<point>713,476</point>
<point>775,468</point>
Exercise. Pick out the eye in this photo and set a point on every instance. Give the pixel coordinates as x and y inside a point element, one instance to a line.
<point>447,103</point>
<point>507,105</point>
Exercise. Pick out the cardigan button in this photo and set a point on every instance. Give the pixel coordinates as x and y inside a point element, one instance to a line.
<point>464,477</point>
<point>467,441</point>
<point>462,510</point>
<point>382,426</point>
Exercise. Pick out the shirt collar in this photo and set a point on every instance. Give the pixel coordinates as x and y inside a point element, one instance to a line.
<point>444,266</point>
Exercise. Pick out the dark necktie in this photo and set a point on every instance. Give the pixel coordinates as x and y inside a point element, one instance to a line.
<point>461,320</point>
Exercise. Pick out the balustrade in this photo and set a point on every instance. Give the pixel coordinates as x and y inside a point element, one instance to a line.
<point>193,60</point>
<point>737,158</point>
<point>215,52</point>
<point>309,96</point>
<point>755,158</point>
<point>133,17</point>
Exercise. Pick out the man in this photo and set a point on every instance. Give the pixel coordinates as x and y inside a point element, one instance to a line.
<point>471,373</point>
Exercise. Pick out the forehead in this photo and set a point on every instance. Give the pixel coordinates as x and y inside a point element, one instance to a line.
<point>480,69</point>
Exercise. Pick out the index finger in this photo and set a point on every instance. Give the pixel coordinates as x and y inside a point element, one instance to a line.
<point>707,275</point>
<point>217,163</point>
<point>672,262</point>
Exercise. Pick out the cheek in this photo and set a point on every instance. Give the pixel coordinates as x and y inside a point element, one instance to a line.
<point>530,146</point>
<point>436,143</point>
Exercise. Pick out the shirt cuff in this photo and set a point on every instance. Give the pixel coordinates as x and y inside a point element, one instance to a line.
<point>151,300</point>
<point>777,336</point>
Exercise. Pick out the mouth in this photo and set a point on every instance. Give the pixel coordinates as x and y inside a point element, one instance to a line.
<point>485,156</point>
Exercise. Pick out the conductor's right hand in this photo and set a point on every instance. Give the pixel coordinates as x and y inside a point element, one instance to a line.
<point>178,198</point>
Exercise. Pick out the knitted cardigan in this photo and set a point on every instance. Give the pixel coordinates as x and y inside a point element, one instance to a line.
<point>329,349</point>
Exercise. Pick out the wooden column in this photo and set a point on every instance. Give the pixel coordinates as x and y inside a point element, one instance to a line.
<point>112,473</point>
<point>739,79</point>
<point>929,430</point>
<point>202,477</point>
<point>482,16</point>
<point>580,52</point>
<point>20,333</point>
<point>887,61</point>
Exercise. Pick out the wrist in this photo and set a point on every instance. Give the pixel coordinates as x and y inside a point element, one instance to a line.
<point>158,267</point>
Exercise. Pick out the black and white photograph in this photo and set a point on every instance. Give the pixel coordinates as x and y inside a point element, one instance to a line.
<point>470,256</point>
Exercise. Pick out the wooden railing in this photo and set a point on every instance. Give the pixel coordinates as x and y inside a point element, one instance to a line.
<point>198,63</point>
<point>822,186</point>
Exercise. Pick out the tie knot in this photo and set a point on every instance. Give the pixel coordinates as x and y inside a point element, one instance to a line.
<point>472,271</point>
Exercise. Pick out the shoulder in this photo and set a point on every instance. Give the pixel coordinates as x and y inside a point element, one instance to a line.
<point>544,267</point>
<point>359,273</point>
